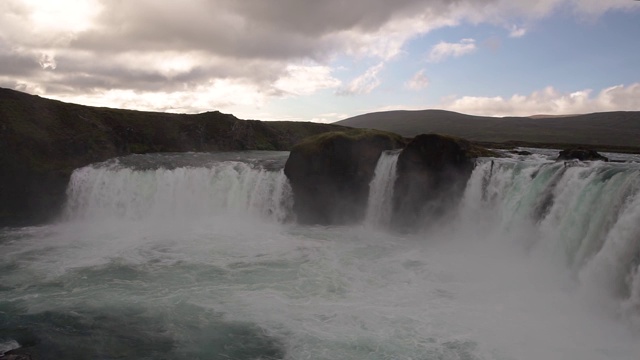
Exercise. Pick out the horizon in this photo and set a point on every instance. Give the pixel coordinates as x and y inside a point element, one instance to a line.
<point>327,61</point>
<point>535,116</point>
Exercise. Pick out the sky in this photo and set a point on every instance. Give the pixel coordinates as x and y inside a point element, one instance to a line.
<point>326,60</point>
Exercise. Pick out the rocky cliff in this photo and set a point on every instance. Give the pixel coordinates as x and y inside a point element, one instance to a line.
<point>330,174</point>
<point>42,141</point>
<point>432,173</point>
<point>581,154</point>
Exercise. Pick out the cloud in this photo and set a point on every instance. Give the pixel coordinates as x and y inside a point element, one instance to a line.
<point>221,94</point>
<point>305,80</point>
<point>146,50</point>
<point>550,101</point>
<point>47,61</point>
<point>443,50</point>
<point>516,32</point>
<point>330,117</point>
<point>364,83</point>
<point>134,52</point>
<point>418,82</point>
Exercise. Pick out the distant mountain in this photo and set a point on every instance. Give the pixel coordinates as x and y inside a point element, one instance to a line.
<point>617,129</point>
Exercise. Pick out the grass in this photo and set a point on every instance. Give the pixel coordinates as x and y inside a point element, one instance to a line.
<point>315,143</point>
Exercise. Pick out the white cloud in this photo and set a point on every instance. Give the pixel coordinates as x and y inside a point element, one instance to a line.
<point>45,24</point>
<point>47,61</point>
<point>418,82</point>
<point>330,117</point>
<point>444,50</point>
<point>387,41</point>
<point>550,101</point>
<point>225,95</point>
<point>364,83</point>
<point>306,80</point>
<point>516,32</point>
<point>62,15</point>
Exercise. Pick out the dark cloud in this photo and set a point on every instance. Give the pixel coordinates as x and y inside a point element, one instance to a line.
<point>230,39</point>
<point>18,64</point>
<point>272,29</point>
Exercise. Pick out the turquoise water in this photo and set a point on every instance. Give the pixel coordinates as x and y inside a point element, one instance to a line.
<point>198,256</point>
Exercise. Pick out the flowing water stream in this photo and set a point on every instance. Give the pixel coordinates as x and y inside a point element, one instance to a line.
<point>198,256</point>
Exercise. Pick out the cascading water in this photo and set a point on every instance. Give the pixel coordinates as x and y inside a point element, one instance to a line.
<point>584,215</point>
<point>380,203</point>
<point>188,256</point>
<point>112,189</point>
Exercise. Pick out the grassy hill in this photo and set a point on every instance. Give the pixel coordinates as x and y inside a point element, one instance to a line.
<point>608,130</point>
<point>42,141</point>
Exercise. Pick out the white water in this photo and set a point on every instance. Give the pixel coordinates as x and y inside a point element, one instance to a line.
<point>230,188</point>
<point>161,263</point>
<point>584,218</point>
<point>380,202</point>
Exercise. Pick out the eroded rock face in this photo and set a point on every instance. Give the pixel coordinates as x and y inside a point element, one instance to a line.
<point>581,154</point>
<point>432,173</point>
<point>42,141</point>
<point>330,174</point>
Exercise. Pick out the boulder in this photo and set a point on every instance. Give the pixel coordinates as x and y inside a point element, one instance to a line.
<point>521,152</point>
<point>432,173</point>
<point>581,154</point>
<point>330,174</point>
<point>15,355</point>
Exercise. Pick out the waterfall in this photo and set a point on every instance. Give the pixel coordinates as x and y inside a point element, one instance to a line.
<point>536,260</point>
<point>585,215</point>
<point>379,206</point>
<point>111,190</point>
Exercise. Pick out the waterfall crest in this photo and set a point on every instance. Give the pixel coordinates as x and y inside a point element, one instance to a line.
<point>227,187</point>
<point>380,203</point>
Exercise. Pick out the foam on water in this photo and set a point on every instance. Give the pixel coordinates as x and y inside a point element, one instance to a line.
<point>538,264</point>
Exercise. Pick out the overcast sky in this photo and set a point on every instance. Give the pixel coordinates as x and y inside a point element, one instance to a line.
<point>325,60</point>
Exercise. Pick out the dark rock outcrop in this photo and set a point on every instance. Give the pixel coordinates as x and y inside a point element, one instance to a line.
<point>42,141</point>
<point>581,154</point>
<point>432,173</point>
<point>521,152</point>
<point>330,174</point>
<point>16,355</point>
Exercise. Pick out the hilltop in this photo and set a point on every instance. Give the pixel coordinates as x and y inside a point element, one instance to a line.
<point>618,130</point>
<point>42,141</point>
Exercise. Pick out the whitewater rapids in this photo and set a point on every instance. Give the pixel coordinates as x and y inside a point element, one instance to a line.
<point>198,256</point>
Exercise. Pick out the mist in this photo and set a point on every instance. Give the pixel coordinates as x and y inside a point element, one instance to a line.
<point>205,259</point>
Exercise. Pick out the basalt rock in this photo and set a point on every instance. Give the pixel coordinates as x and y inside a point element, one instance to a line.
<point>330,174</point>
<point>521,152</point>
<point>16,355</point>
<point>581,154</point>
<point>432,173</point>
